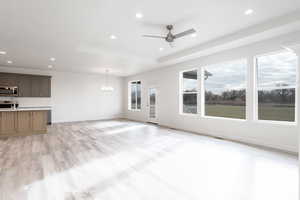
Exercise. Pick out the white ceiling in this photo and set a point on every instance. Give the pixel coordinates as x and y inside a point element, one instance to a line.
<point>77,32</point>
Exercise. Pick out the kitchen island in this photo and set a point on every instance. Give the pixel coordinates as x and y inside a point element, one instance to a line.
<point>23,121</point>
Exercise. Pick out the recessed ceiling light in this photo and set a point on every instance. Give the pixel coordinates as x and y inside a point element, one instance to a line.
<point>194,35</point>
<point>249,12</point>
<point>50,66</point>
<point>52,59</point>
<point>9,62</point>
<point>161,49</point>
<point>2,52</point>
<point>139,15</point>
<point>113,37</point>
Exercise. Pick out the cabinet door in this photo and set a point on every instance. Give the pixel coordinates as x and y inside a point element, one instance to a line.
<point>39,121</point>
<point>45,87</point>
<point>40,86</point>
<point>24,121</point>
<point>7,79</point>
<point>24,84</point>
<point>8,125</point>
<point>35,86</point>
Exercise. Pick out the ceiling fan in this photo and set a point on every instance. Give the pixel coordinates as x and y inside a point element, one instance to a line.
<point>170,36</point>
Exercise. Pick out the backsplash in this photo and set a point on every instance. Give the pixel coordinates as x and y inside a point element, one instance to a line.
<point>29,102</point>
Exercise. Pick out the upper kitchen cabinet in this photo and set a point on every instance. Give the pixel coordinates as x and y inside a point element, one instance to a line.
<point>45,90</point>
<point>7,79</point>
<point>24,85</point>
<point>40,86</point>
<point>35,86</point>
<point>28,85</point>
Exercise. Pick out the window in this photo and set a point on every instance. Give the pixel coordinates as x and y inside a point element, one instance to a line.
<point>189,92</point>
<point>135,95</point>
<point>276,86</point>
<point>225,89</point>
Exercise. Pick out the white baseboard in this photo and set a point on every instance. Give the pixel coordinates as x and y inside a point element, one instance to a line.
<point>246,140</point>
<point>98,119</point>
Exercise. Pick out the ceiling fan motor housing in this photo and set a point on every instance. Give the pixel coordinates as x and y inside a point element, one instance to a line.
<point>170,37</point>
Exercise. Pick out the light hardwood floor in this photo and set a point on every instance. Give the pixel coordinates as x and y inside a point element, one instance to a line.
<point>122,160</point>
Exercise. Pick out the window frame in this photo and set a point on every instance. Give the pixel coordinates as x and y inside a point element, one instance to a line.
<point>256,90</point>
<point>251,87</point>
<point>203,114</point>
<point>181,93</point>
<point>136,96</point>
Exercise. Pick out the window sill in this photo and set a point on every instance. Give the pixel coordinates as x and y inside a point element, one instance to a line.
<point>224,118</point>
<point>189,114</point>
<point>282,123</point>
<point>135,110</point>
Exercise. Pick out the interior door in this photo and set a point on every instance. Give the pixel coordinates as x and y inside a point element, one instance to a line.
<point>152,99</point>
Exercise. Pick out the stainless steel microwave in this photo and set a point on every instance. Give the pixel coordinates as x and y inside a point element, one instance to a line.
<point>9,91</point>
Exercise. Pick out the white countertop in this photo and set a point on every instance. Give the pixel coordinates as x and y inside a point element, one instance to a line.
<point>25,109</point>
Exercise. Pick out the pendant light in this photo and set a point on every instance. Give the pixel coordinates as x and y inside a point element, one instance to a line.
<point>107,87</point>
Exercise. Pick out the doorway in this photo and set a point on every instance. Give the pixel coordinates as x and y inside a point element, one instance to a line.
<point>152,99</point>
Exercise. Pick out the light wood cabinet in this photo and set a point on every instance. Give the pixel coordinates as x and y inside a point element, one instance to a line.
<point>8,123</point>
<point>14,123</point>
<point>39,119</point>
<point>24,121</point>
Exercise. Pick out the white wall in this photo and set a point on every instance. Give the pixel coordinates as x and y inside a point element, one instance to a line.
<point>167,82</point>
<point>76,96</point>
<point>297,50</point>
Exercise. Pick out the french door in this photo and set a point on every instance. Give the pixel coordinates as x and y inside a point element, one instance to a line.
<point>152,105</point>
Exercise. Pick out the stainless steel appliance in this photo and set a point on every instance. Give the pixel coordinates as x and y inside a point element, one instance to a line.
<point>9,104</point>
<point>49,118</point>
<point>9,91</point>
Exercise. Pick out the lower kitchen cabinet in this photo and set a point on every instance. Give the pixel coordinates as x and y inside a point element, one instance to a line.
<point>8,123</point>
<point>14,123</point>
<point>39,121</point>
<point>24,122</point>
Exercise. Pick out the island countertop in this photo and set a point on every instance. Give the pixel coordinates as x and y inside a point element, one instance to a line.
<point>26,109</point>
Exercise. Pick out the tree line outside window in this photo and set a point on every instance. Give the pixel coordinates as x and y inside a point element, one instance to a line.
<point>276,86</point>
<point>225,88</point>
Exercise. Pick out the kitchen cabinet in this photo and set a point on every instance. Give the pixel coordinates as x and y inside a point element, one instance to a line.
<point>24,121</point>
<point>35,86</point>
<point>45,87</point>
<point>8,123</point>
<point>40,86</point>
<point>16,123</point>
<point>8,79</point>
<point>39,120</point>
<point>28,85</point>
<point>24,86</point>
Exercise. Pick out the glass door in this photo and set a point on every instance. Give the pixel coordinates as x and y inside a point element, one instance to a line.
<point>152,105</point>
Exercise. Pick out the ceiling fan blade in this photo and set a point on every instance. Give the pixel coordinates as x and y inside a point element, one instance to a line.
<point>184,33</point>
<point>154,36</point>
